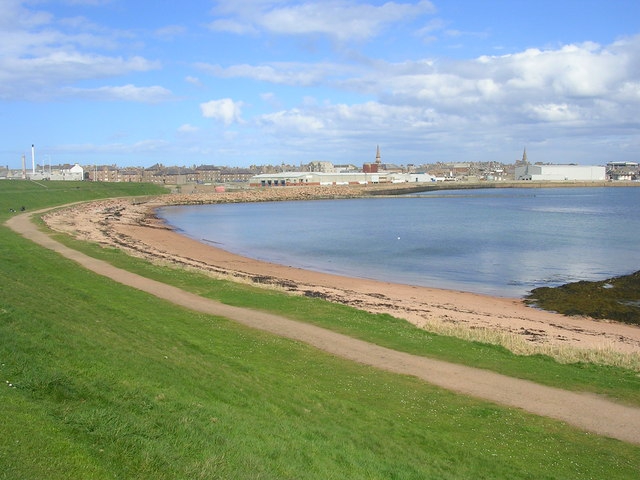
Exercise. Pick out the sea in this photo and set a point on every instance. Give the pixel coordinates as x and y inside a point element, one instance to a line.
<point>497,241</point>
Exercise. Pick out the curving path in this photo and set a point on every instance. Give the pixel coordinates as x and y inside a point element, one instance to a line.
<point>585,411</point>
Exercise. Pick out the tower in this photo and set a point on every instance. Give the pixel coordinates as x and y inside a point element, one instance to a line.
<point>378,159</point>
<point>524,156</point>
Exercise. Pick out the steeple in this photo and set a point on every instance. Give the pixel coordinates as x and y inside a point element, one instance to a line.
<point>524,156</point>
<point>378,159</point>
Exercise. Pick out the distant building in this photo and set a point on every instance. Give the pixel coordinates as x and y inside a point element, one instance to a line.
<point>560,173</point>
<point>283,179</point>
<point>623,170</point>
<point>346,168</point>
<point>376,166</point>
<point>75,173</point>
<point>324,167</point>
<point>104,173</point>
<point>208,174</point>
<point>67,172</point>
<point>233,175</point>
<point>524,160</point>
<point>411,178</point>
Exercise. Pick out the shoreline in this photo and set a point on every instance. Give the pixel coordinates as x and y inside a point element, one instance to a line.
<point>133,226</point>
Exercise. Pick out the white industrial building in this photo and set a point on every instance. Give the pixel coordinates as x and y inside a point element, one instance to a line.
<point>323,178</point>
<point>560,173</point>
<point>69,173</point>
<point>412,178</point>
<point>302,178</point>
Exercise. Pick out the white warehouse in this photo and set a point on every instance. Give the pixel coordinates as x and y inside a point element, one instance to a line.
<point>560,173</point>
<point>322,178</point>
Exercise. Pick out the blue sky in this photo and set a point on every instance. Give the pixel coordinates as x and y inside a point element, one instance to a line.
<point>252,82</point>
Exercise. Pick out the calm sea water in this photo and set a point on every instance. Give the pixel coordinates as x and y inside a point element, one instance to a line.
<point>494,241</point>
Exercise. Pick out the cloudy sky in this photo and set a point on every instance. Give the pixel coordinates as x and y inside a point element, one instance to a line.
<point>251,82</point>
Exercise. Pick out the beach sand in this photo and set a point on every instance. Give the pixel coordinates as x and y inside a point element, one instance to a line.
<point>133,226</point>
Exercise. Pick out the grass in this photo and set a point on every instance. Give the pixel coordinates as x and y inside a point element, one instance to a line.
<point>622,384</point>
<point>34,195</point>
<point>108,382</point>
<point>615,298</point>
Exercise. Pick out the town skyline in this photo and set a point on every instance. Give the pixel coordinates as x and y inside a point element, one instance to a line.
<point>35,159</point>
<point>223,174</point>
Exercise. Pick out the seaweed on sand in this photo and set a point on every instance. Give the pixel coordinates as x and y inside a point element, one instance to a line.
<point>616,298</point>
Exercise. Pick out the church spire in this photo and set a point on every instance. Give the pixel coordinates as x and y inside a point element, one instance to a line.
<point>524,156</point>
<point>378,159</point>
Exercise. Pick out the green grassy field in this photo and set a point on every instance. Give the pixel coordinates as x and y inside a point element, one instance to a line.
<point>98,380</point>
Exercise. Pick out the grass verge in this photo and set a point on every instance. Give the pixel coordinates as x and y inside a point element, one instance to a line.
<point>620,383</point>
<point>103,381</point>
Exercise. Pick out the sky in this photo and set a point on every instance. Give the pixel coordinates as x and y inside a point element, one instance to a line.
<point>270,82</point>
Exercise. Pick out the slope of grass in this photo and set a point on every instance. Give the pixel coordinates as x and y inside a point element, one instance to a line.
<point>15,194</point>
<point>619,383</point>
<point>118,384</point>
<point>98,380</point>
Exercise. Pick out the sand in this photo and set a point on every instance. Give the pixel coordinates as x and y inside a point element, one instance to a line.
<point>133,226</point>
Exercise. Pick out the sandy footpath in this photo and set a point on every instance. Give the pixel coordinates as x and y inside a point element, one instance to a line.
<point>133,226</point>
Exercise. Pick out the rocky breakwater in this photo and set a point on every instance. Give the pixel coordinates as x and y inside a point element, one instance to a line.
<point>271,194</point>
<point>98,221</point>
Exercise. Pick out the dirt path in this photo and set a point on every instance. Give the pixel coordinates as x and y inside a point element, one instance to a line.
<point>585,411</point>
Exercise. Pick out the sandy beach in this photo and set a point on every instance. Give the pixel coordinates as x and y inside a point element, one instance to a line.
<point>131,224</point>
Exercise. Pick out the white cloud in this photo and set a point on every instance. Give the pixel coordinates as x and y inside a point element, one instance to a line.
<point>428,32</point>
<point>284,73</point>
<point>127,93</point>
<point>224,110</point>
<point>232,26</point>
<point>140,147</point>
<point>630,92</point>
<point>32,33</point>
<point>187,128</point>
<point>573,93</point>
<point>271,99</point>
<point>339,19</point>
<point>575,70</point>
<point>40,59</point>
<point>41,77</point>
<point>293,121</point>
<point>568,82</point>
<point>553,112</point>
<point>13,16</point>
<point>193,80</point>
<point>93,3</point>
<point>170,31</point>
<point>534,94</point>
